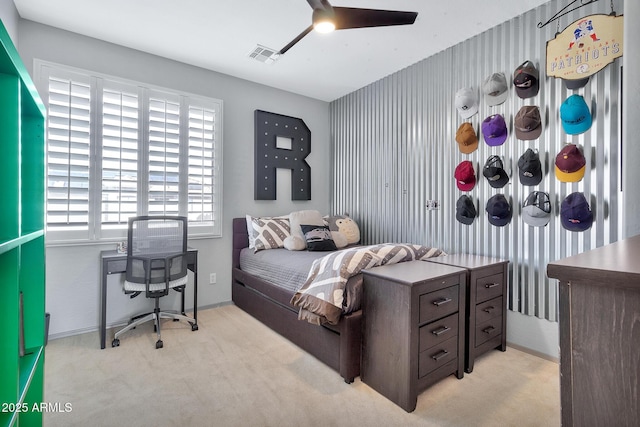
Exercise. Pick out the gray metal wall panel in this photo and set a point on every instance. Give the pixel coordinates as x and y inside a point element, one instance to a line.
<point>394,149</point>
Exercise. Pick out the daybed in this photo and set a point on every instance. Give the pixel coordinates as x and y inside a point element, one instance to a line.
<point>336,345</point>
<point>308,285</point>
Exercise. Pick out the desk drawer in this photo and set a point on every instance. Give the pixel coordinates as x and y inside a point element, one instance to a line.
<point>436,332</point>
<point>489,287</point>
<point>487,330</point>
<point>438,304</point>
<point>488,310</point>
<point>439,355</point>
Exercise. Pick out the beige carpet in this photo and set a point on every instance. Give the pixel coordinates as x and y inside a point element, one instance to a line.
<point>235,371</point>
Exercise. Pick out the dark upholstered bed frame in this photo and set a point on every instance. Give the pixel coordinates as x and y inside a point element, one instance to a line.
<point>338,346</point>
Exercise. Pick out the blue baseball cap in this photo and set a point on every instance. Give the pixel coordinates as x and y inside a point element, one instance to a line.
<point>575,115</point>
<point>498,210</point>
<point>575,214</point>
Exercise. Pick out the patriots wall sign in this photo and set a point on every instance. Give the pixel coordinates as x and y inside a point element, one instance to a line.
<point>281,142</point>
<point>585,47</point>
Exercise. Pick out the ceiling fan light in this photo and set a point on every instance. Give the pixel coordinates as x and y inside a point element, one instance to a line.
<point>323,21</point>
<point>324,26</point>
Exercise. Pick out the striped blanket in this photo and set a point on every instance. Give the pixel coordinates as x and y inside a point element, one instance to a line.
<point>322,299</point>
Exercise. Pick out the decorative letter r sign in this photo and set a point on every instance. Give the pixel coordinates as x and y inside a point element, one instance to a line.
<point>281,142</point>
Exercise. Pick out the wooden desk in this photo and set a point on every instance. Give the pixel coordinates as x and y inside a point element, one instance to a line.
<point>113,262</point>
<point>600,335</point>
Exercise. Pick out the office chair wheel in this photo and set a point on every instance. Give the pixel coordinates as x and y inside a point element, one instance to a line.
<point>194,326</point>
<point>115,343</point>
<point>159,344</point>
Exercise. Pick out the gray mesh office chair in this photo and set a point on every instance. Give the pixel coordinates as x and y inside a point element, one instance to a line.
<point>156,263</point>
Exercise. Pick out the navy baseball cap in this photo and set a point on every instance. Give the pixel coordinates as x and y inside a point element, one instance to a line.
<point>498,210</point>
<point>465,210</point>
<point>575,214</point>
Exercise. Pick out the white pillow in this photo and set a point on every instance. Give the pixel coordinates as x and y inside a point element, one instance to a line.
<point>294,243</point>
<point>307,217</point>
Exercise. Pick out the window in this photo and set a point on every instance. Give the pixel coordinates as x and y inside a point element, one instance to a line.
<point>117,149</point>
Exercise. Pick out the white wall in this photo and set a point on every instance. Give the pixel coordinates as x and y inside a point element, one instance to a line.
<point>73,272</point>
<point>9,16</point>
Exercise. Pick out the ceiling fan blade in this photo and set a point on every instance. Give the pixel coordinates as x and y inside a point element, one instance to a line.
<point>296,40</point>
<point>319,4</point>
<point>349,17</point>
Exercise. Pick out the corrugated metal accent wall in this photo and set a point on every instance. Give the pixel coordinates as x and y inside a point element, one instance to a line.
<point>394,149</point>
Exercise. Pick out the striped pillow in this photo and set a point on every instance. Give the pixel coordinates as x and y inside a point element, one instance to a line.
<point>267,232</point>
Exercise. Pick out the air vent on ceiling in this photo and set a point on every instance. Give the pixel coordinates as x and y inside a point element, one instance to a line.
<point>264,54</point>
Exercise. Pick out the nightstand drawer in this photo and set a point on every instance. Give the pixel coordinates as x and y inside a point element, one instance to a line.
<point>436,332</point>
<point>489,329</point>
<point>438,304</point>
<point>489,287</point>
<point>488,310</point>
<point>437,356</point>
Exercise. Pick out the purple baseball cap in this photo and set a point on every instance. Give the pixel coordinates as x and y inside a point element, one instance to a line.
<point>494,130</point>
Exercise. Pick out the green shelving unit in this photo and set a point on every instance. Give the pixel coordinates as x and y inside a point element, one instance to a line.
<point>22,250</point>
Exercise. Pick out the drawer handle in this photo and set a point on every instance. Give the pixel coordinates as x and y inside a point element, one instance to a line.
<point>488,330</point>
<point>491,285</point>
<point>440,355</point>
<point>441,301</point>
<point>488,309</point>
<point>441,331</point>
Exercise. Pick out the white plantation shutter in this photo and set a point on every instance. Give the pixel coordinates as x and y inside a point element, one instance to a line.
<point>119,157</point>
<point>164,156</point>
<point>201,162</point>
<point>117,149</point>
<point>68,153</point>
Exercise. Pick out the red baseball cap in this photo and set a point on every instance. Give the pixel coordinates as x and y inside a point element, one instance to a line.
<point>465,176</point>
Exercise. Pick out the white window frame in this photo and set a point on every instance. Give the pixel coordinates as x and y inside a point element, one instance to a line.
<point>95,232</point>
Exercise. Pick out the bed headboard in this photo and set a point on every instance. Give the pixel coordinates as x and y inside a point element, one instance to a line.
<point>240,239</point>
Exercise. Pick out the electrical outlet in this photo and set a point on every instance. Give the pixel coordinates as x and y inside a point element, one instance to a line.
<point>433,204</point>
<point>212,278</point>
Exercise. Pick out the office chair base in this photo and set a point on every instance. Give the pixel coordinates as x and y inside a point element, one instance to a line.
<point>155,317</point>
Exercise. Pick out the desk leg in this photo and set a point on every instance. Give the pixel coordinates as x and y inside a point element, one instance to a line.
<point>103,304</point>
<point>195,290</point>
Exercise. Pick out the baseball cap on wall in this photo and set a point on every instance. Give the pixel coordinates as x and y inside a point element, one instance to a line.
<point>465,176</point>
<point>495,89</point>
<point>536,209</point>
<point>525,80</point>
<point>575,213</point>
<point>576,84</point>
<point>575,115</point>
<point>570,164</point>
<point>494,130</point>
<point>466,138</point>
<point>498,210</point>
<point>528,123</point>
<point>465,210</point>
<point>494,172</point>
<point>530,168</point>
<point>466,102</point>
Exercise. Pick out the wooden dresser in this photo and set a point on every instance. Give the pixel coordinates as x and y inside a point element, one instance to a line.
<point>486,313</point>
<point>413,334</point>
<point>600,335</point>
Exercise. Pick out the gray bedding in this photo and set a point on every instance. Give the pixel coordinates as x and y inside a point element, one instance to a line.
<point>284,268</point>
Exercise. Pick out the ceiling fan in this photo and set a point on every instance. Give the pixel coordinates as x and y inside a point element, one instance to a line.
<point>327,18</point>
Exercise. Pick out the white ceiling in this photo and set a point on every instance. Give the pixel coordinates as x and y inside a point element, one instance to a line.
<point>219,34</point>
